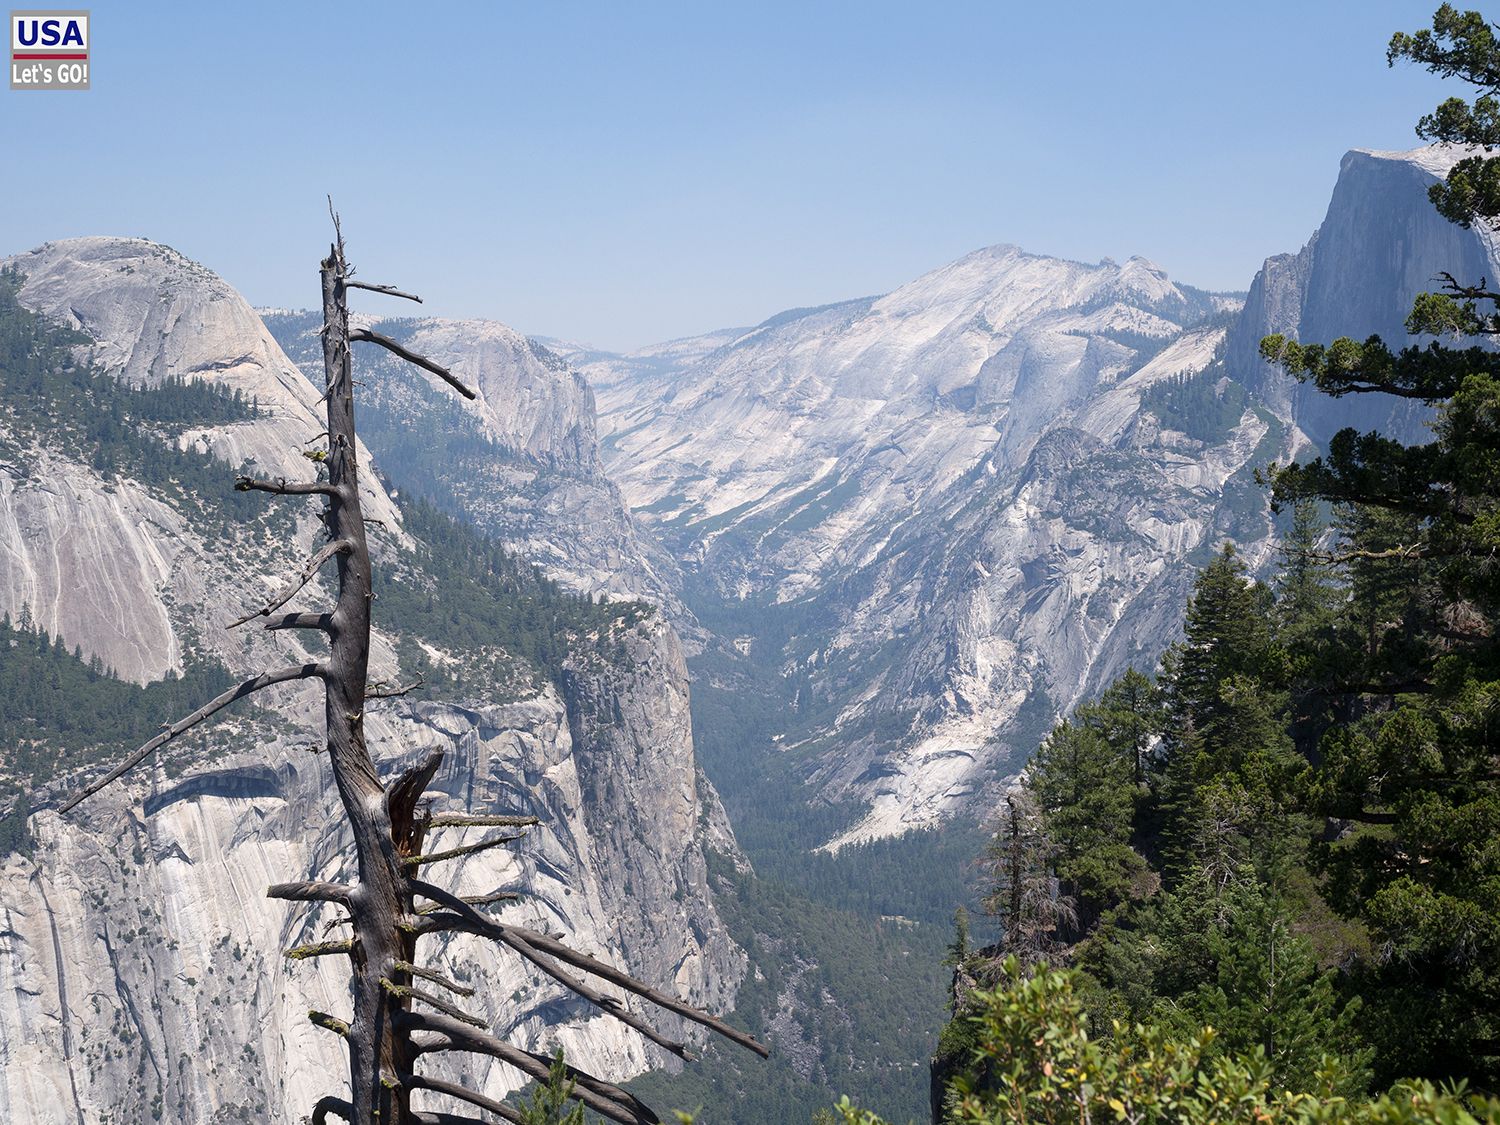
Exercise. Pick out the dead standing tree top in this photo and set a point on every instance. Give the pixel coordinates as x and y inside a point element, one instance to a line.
<point>396,1019</point>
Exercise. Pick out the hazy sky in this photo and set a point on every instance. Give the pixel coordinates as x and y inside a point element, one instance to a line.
<point>626,172</point>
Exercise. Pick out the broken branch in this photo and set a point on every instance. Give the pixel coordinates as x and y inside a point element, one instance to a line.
<point>396,693</point>
<point>320,949</point>
<point>249,687</point>
<point>453,1090</point>
<point>388,290</point>
<point>331,1104</point>
<point>283,487</point>
<point>517,936</point>
<point>289,591</point>
<point>466,849</point>
<point>311,891</point>
<point>434,977</point>
<point>476,900</point>
<point>366,336</point>
<point>600,1096</point>
<point>320,621</point>
<point>330,1023</point>
<point>608,1004</point>
<point>465,820</point>
<point>406,991</point>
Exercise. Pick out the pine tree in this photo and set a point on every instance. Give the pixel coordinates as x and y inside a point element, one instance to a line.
<point>1306,590</point>
<point>1023,891</point>
<point>958,947</point>
<point>1227,634</point>
<point>549,1100</point>
<point>1266,991</point>
<point>1129,716</point>
<point>1230,764</point>
<point>1409,776</point>
<point>1084,787</point>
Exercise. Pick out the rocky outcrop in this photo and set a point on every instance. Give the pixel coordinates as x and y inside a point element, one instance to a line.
<point>530,401</point>
<point>791,447</point>
<point>1023,589</point>
<point>152,313</point>
<point>103,563</point>
<point>525,463</point>
<point>141,964</point>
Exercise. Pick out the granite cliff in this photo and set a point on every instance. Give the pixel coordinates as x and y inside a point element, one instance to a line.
<point>142,967</point>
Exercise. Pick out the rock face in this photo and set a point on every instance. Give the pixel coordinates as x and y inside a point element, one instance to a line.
<point>141,975</point>
<point>948,514</point>
<point>522,461</point>
<point>1380,245</point>
<point>89,558</point>
<point>142,963</point>
<point>820,422</point>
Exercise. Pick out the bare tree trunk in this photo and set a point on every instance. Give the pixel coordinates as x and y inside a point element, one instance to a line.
<point>379,900</point>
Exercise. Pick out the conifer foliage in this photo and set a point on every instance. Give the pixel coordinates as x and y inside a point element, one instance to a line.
<point>1300,847</point>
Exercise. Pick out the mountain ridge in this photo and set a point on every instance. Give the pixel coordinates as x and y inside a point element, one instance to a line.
<point>793,466</point>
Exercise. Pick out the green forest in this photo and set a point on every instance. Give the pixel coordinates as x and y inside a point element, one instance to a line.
<point>461,591</point>
<point>59,712</point>
<point>1205,406</point>
<point>455,589</point>
<point>56,401</point>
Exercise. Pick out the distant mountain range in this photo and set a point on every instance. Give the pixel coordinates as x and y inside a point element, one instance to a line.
<point>955,510</point>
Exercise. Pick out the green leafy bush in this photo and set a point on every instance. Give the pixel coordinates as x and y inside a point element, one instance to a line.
<point>1036,1062</point>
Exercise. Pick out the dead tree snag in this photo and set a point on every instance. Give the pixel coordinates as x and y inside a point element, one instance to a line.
<point>396,1018</point>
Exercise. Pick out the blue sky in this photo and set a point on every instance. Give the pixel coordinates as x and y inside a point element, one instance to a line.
<point>626,172</point>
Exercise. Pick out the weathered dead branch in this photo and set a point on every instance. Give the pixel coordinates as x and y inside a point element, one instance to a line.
<point>365,335</point>
<point>249,687</point>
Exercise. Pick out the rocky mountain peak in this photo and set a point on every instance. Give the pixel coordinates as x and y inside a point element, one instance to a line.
<point>956,490</point>
<point>1379,245</point>
<point>153,314</point>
